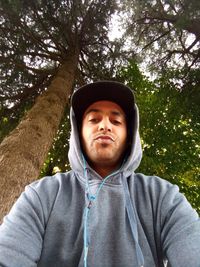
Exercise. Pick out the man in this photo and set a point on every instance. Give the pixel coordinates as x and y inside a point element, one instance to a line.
<point>101,213</point>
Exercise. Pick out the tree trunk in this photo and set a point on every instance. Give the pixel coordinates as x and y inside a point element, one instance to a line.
<point>23,152</point>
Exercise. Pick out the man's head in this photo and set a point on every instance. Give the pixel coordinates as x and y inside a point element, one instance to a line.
<point>104,112</point>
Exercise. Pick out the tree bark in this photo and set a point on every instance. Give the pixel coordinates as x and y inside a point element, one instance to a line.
<point>23,152</point>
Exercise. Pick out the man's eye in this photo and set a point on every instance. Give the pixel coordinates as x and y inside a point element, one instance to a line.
<point>116,122</point>
<point>93,120</point>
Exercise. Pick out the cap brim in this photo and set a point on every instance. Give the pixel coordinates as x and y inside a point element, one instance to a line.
<point>103,90</point>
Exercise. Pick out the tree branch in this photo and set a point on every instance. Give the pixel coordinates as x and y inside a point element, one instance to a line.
<point>154,40</point>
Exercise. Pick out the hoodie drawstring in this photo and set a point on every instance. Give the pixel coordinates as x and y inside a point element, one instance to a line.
<point>133,222</point>
<point>89,199</point>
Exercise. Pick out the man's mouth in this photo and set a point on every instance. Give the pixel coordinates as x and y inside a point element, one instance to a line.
<point>104,139</point>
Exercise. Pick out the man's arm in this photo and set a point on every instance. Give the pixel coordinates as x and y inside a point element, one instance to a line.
<point>180,230</point>
<point>22,230</point>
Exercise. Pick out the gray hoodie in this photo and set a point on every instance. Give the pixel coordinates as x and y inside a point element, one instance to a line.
<point>76,219</point>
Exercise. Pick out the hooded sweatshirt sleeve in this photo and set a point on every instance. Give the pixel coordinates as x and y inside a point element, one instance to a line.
<point>22,230</point>
<point>180,230</point>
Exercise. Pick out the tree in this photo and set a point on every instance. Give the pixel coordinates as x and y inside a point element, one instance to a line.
<point>46,48</point>
<point>166,32</point>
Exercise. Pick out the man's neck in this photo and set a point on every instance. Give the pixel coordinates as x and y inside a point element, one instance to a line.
<point>104,168</point>
<point>104,171</point>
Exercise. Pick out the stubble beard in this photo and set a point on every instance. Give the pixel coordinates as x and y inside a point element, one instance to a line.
<point>104,155</point>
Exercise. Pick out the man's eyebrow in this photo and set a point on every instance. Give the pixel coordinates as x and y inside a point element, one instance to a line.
<point>117,113</point>
<point>113,112</point>
<point>92,110</point>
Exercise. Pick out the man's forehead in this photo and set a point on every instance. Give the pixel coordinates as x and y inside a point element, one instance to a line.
<point>104,105</point>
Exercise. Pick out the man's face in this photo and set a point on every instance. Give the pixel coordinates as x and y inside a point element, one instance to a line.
<point>104,135</point>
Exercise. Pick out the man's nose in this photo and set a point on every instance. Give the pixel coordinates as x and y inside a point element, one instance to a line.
<point>105,125</point>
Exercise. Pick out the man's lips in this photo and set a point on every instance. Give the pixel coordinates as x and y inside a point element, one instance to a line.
<point>104,138</point>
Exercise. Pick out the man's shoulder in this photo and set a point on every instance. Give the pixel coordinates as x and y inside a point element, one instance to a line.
<point>51,184</point>
<point>151,181</point>
<point>155,191</point>
<point>154,188</point>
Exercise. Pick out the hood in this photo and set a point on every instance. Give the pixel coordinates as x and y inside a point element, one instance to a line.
<point>82,169</point>
<point>131,162</point>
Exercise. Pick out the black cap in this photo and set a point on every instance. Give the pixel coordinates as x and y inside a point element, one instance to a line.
<point>103,90</point>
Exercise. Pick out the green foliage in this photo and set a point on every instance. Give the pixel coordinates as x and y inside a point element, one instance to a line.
<point>169,115</point>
